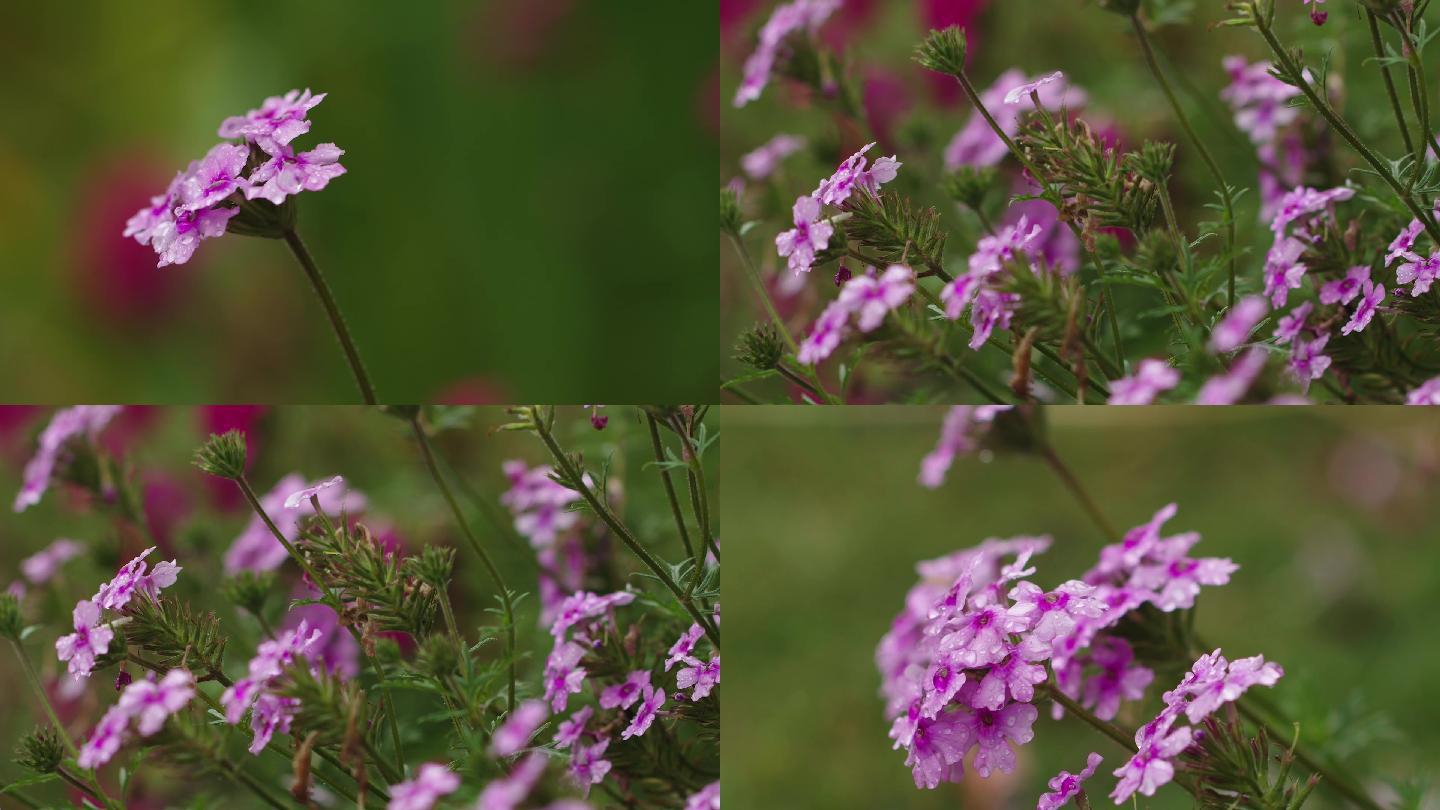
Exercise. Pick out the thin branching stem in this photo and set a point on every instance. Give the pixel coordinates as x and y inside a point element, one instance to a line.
<point>1072,483</point>
<point>332,311</point>
<point>675,511</point>
<point>1379,46</point>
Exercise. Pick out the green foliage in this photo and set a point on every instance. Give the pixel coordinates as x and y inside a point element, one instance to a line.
<point>896,229</point>
<point>332,705</point>
<point>1099,187</point>
<point>968,185</point>
<point>173,635</point>
<point>42,750</point>
<point>12,624</point>
<point>729,211</point>
<point>379,590</point>
<point>760,347</point>
<point>248,590</point>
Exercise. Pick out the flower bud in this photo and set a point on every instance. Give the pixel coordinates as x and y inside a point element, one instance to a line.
<point>729,211</point>
<point>943,51</point>
<point>42,750</point>
<point>248,590</point>
<point>760,348</point>
<point>223,456</point>
<point>11,622</point>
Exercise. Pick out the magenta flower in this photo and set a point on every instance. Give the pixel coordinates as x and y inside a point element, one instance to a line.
<point>809,236</point>
<point>787,19</point>
<point>541,506</point>
<point>270,712</point>
<point>682,648</point>
<point>39,568</point>
<point>584,606</point>
<point>280,120</point>
<point>1150,767</point>
<point>708,798</point>
<point>518,728</point>
<point>1303,202</point>
<point>1260,101</point>
<point>1015,675</point>
<point>303,495</point>
<point>570,731</point>
<point>1065,785</point>
<point>703,675</point>
<point>1230,387</point>
<point>1118,677</point>
<point>853,174</point>
<point>825,335</point>
<point>872,297</point>
<point>645,715</point>
<point>960,435</point>
<point>1283,269</point>
<point>937,749</point>
<point>994,730</point>
<point>1238,323</point>
<point>1428,393</point>
<point>1020,93</point>
<point>976,144</point>
<point>176,238</point>
<point>1419,270</point>
<point>507,792</point>
<point>67,425</point>
<point>1055,613</point>
<point>588,765</point>
<point>1344,290</point>
<point>1307,360</point>
<point>1316,15</point>
<point>90,639</point>
<point>1212,682</point>
<point>432,781</point>
<point>215,177</point>
<point>563,677</point>
<point>762,162</point>
<point>336,649</point>
<point>1173,578</point>
<point>1370,301</point>
<point>1290,326</point>
<point>1152,378</point>
<point>105,740</point>
<point>133,579</point>
<point>1403,244</point>
<point>623,695</point>
<point>288,172</point>
<point>151,702</point>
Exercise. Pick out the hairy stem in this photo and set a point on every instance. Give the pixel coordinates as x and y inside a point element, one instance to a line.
<point>1390,84</point>
<point>1073,484</point>
<point>332,311</point>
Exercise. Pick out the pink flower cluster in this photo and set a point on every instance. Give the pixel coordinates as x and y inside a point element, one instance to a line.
<point>432,781</point>
<point>270,712</point>
<point>543,515</point>
<point>811,233</point>
<point>1261,104</point>
<point>256,549</point>
<point>960,663</point>
<point>92,634</point>
<point>1211,683</point>
<point>201,200</point>
<point>1152,378</point>
<point>866,299</point>
<point>976,144</point>
<point>979,289</point>
<point>964,429</point>
<point>147,703</point>
<point>81,422</point>
<point>787,19</point>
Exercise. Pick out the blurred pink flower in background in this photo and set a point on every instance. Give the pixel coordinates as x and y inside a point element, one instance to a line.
<point>887,100</point>
<point>114,278</point>
<point>337,649</point>
<point>167,504</point>
<point>472,391</point>
<point>222,419</point>
<point>517,36</point>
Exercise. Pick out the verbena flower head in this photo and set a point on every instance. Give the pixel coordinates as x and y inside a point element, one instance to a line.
<point>150,702</point>
<point>963,431</point>
<point>1428,393</point>
<point>810,235</point>
<point>278,121</point>
<point>825,335</point>
<point>90,639</point>
<point>588,765</point>
<point>1308,361</point>
<point>1343,290</point>
<point>507,792</point>
<point>105,739</point>
<point>1152,378</point>
<point>1151,766</point>
<point>704,676</point>
<point>990,307</point>
<point>1260,101</point>
<point>270,712</point>
<point>431,782</point>
<point>1371,296</point>
<point>871,297</point>
<point>288,172</point>
<point>256,549</point>
<point>67,425</point>
<point>708,798</point>
<point>645,714</point>
<point>1065,785</point>
<point>136,579</point>
<point>541,506</point>
<point>1418,271</point>
<point>854,175</point>
<point>302,496</point>
<point>623,695</point>
<point>1231,386</point>
<point>1023,92</point>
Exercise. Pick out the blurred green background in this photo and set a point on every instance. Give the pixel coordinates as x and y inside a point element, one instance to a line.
<point>914,114</point>
<point>1330,513</point>
<point>196,517</point>
<point>521,220</point>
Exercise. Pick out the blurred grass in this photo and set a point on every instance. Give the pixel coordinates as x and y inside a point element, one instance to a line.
<point>1329,513</point>
<point>1098,53</point>
<point>518,173</point>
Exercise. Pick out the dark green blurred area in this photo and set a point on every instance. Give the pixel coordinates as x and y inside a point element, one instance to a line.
<point>1329,513</point>
<point>378,457</point>
<point>520,220</point>
<point>1098,52</point>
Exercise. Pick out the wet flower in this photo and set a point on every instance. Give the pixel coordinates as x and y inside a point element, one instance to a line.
<point>961,433</point>
<point>809,236</point>
<point>563,676</point>
<point>1152,378</point>
<point>431,781</point>
<point>1065,785</point>
<point>256,549</point>
<point>1020,93</point>
<point>1307,361</point>
<point>1344,290</point>
<point>270,712</point>
<point>517,729</point>
<point>684,646</point>
<point>645,715</point>
<point>588,765</point>
<point>762,162</point>
<point>1403,244</point>
<point>1150,767</point>
<point>570,731</point>
<point>90,639</point>
<point>976,144</point>
<point>703,675</point>
<point>1289,326</point>
<point>1419,270</point>
<point>69,424</point>
<point>1283,269</point>
<point>852,175</point>
<point>302,496</point>
<point>825,335</point>
<point>39,568</point>
<point>623,695</point>
<point>288,172</point>
<point>937,749</point>
<point>1260,101</point>
<point>215,177</point>
<point>134,579</point>
<point>278,121</point>
<point>1238,323</point>
<point>1213,681</point>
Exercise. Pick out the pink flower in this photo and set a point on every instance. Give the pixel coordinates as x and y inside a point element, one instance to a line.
<point>701,675</point>
<point>133,578</point>
<point>151,702</point>
<point>960,435</point>
<point>588,765</point>
<point>809,236</point>
<point>583,606</point>
<point>507,792</point>
<point>563,677</point>
<point>280,120</point>
<point>937,749</point>
<point>1307,361</point>
<point>1065,785</point>
<point>69,424</point>
<point>623,695</point>
<point>976,144</point>
<point>102,744</point>
<point>287,172</point>
<point>1421,270</point>
<point>993,730</point>
<point>256,549</point>
<point>1150,379</point>
<point>1150,767</point>
<point>215,177</point>
<point>1260,101</point>
<point>1283,269</point>
<point>1238,323</point>
<point>41,567</point>
<point>335,649</point>
<point>270,712</point>
<point>1304,201</point>
<point>1427,394</point>
<point>90,639</point>
<point>570,731</point>
<point>302,496</point>
<point>1344,290</point>
<point>645,715</point>
<point>541,506</point>
<point>1020,93</point>
<point>517,729</point>
<point>681,649</point>
<point>1290,326</point>
<point>1404,243</point>
<point>787,19</point>
<point>762,162</point>
<point>1230,387</point>
<point>432,781</point>
<point>176,238</point>
<point>708,798</point>
<point>825,335</point>
<point>1370,301</point>
<point>853,174</point>
<point>1212,682</point>
<point>990,310</point>
<point>872,297</point>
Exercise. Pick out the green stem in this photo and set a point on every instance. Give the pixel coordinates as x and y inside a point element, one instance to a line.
<point>1073,484</point>
<point>18,796</point>
<point>1126,741</point>
<point>1390,85</point>
<point>332,311</point>
<point>576,481</point>
<point>660,460</point>
<point>505,597</point>
<point>239,777</point>
<point>34,679</point>
<point>1214,168</point>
